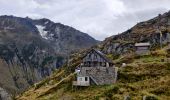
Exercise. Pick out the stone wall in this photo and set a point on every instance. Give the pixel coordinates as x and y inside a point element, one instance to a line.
<point>101,75</point>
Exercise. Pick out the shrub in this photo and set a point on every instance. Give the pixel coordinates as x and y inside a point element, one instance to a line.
<point>113,56</point>
<point>96,98</point>
<point>161,91</point>
<point>168,53</point>
<point>109,93</point>
<point>159,53</point>
<point>151,98</point>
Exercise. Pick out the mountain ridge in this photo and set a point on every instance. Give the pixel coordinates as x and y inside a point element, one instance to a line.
<point>27,57</point>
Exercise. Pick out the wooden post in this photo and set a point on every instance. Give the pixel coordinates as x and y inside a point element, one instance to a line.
<point>160,32</point>
<point>160,39</point>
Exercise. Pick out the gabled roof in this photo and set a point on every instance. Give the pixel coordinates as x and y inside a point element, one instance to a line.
<point>101,54</point>
<point>142,44</point>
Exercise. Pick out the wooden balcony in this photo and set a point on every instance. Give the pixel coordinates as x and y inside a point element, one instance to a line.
<point>76,83</point>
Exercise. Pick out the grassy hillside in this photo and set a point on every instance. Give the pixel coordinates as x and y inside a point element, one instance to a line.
<point>147,75</point>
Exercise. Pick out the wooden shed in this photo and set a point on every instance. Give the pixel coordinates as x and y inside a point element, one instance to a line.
<point>142,48</point>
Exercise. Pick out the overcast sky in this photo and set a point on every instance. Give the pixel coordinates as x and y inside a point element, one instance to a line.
<point>98,18</point>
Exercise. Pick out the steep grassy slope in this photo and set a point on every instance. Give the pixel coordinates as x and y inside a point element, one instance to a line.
<point>143,76</point>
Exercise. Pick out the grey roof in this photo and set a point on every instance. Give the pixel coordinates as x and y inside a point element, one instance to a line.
<point>142,44</point>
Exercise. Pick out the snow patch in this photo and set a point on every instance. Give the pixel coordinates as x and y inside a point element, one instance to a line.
<point>41,31</point>
<point>46,22</point>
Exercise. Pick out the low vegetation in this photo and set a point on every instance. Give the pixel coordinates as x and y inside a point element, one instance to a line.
<point>145,76</point>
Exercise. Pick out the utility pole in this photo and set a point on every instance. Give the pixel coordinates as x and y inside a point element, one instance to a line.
<point>159,30</point>
<point>160,38</point>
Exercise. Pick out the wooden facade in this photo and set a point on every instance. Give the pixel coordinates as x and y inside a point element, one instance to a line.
<point>142,48</point>
<point>95,69</point>
<point>96,58</point>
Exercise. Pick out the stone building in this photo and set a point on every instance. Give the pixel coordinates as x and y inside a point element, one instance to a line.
<point>142,48</point>
<point>95,69</point>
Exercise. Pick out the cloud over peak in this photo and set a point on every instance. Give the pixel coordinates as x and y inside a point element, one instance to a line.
<point>99,18</point>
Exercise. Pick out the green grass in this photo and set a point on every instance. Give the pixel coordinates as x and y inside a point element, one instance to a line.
<point>143,76</point>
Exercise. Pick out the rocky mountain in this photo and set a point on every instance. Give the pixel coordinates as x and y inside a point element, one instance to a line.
<point>31,49</point>
<point>147,31</point>
<point>62,37</point>
<point>143,78</point>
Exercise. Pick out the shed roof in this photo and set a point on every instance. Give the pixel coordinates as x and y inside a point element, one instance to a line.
<point>142,44</point>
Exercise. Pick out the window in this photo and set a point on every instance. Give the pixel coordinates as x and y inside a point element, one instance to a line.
<point>95,56</point>
<point>80,79</point>
<point>100,63</point>
<point>89,64</point>
<point>89,55</point>
<point>86,78</point>
<point>104,64</point>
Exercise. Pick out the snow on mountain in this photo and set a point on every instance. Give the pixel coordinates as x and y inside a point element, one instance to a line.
<point>42,31</point>
<point>30,50</point>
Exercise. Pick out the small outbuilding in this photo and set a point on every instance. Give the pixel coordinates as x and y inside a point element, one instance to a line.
<point>95,69</point>
<point>142,48</point>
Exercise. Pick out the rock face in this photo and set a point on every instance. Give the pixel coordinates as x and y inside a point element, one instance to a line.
<point>4,95</point>
<point>63,37</point>
<point>142,32</point>
<point>30,49</point>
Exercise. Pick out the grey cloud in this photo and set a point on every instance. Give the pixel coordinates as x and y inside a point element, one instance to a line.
<point>99,18</point>
<point>128,20</point>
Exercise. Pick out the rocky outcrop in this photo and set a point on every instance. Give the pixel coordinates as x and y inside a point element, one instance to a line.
<point>63,38</point>
<point>142,32</point>
<point>4,95</point>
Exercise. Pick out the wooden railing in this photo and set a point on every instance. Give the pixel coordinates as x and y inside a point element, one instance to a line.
<point>75,83</point>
